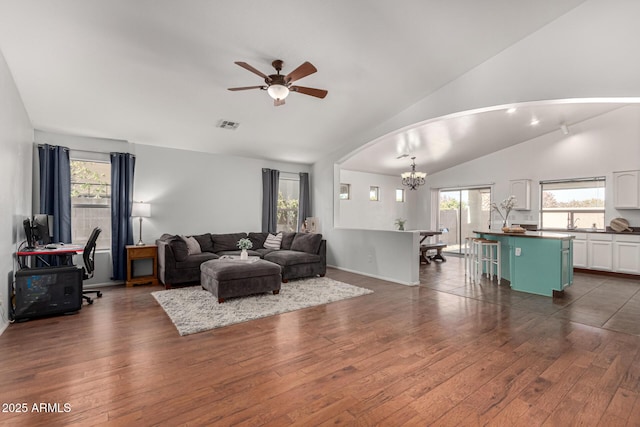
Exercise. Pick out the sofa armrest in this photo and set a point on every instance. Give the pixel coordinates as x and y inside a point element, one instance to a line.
<point>322,251</point>
<point>166,259</point>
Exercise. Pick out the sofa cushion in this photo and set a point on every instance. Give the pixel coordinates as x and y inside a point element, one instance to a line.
<point>258,239</point>
<point>263,251</point>
<point>226,242</point>
<point>306,242</point>
<point>194,261</point>
<point>287,239</point>
<point>193,247</point>
<point>273,241</point>
<point>285,257</point>
<point>205,242</point>
<point>179,248</point>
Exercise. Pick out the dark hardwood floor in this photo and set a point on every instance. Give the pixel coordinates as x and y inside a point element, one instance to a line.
<point>442,353</point>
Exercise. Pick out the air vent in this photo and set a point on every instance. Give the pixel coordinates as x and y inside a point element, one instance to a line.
<point>226,124</point>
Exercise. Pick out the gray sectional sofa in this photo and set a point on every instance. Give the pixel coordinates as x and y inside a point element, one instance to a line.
<point>300,255</point>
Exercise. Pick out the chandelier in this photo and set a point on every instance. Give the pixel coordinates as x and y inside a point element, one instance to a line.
<point>413,179</point>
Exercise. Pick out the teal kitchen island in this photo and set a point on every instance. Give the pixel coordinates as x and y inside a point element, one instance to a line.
<point>537,262</point>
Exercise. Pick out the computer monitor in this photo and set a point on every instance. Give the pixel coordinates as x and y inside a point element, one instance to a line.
<point>42,228</point>
<point>28,232</point>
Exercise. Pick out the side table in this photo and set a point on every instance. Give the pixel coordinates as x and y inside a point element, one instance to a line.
<point>135,253</point>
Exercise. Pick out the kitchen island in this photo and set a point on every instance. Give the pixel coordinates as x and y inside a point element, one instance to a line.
<point>537,262</point>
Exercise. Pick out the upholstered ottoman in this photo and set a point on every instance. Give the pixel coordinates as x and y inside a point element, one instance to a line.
<point>234,278</point>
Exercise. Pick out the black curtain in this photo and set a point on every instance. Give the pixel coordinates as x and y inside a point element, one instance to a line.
<point>122,169</point>
<point>304,205</point>
<point>270,178</point>
<point>55,189</point>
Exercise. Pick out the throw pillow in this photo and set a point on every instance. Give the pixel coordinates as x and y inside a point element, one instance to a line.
<point>193,247</point>
<point>179,248</point>
<point>306,242</point>
<point>205,242</point>
<point>273,242</point>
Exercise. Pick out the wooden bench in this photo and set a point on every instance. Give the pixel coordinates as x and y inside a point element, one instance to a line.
<point>438,247</point>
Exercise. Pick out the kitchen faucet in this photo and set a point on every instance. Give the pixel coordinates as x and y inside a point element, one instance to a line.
<point>570,225</point>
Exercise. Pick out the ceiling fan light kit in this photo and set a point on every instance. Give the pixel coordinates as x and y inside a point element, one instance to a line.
<point>413,179</point>
<point>279,86</point>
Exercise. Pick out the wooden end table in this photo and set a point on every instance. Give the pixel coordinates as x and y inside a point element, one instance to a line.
<point>134,253</point>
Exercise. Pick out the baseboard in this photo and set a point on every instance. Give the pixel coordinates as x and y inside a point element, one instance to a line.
<point>102,285</point>
<point>375,276</point>
<point>606,273</point>
<point>3,326</point>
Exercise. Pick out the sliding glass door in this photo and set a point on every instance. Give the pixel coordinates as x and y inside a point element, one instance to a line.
<point>461,211</point>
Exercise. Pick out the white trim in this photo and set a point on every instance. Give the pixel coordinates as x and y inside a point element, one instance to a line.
<point>375,276</point>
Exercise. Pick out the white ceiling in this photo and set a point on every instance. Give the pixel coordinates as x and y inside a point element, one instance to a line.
<point>157,71</point>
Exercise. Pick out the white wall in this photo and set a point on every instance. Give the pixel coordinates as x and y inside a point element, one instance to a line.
<point>596,147</point>
<point>16,139</point>
<point>360,212</point>
<point>584,53</point>
<point>192,193</point>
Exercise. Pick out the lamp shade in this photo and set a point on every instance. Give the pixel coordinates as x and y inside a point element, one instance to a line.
<point>278,91</point>
<point>142,210</point>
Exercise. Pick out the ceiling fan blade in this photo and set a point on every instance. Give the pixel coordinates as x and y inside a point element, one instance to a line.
<point>277,102</point>
<point>302,71</point>
<point>253,70</point>
<point>247,87</point>
<point>318,93</point>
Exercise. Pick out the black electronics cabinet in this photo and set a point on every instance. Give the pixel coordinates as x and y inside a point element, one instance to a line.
<point>47,291</point>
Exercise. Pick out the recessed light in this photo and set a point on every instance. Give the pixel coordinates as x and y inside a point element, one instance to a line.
<point>511,110</point>
<point>534,122</point>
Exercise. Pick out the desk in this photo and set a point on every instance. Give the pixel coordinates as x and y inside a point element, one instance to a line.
<point>63,252</point>
<point>134,253</point>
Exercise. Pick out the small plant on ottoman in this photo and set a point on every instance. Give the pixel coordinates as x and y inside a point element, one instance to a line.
<point>244,244</point>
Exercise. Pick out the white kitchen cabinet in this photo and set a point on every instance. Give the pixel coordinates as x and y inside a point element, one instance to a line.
<point>626,254</point>
<point>626,190</point>
<point>600,251</point>
<point>580,250</point>
<point>521,189</point>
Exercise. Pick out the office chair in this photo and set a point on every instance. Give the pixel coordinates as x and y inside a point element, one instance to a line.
<point>89,264</point>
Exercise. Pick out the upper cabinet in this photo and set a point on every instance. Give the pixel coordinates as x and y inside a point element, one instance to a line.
<point>521,189</point>
<point>626,190</point>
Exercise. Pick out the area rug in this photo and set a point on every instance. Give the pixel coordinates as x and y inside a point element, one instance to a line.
<point>193,309</point>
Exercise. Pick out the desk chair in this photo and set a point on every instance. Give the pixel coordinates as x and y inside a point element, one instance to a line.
<point>89,264</point>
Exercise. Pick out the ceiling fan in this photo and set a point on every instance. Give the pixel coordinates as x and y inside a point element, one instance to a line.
<point>279,86</point>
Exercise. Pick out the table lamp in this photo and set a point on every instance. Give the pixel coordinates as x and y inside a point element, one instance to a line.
<point>141,210</point>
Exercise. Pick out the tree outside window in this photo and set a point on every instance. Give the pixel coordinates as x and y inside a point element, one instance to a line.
<point>90,201</point>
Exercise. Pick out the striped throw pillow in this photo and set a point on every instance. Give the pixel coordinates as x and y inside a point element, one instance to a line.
<point>273,242</point>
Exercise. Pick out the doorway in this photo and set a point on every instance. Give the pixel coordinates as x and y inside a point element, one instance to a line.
<point>460,211</point>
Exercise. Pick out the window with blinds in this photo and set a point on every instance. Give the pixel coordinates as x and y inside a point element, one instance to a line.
<point>572,203</point>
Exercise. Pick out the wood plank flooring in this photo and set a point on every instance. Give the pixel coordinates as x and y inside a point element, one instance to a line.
<point>445,353</point>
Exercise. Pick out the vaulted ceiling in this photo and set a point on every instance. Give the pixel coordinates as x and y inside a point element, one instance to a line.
<point>157,71</point>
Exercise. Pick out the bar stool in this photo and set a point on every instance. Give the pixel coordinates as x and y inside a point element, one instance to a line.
<point>468,250</point>
<point>488,258</point>
<point>475,249</point>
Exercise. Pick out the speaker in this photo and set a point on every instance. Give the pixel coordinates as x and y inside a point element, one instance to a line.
<point>47,291</point>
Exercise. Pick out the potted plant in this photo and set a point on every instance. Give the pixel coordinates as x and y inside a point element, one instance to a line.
<point>244,244</point>
<point>506,205</point>
<point>400,223</point>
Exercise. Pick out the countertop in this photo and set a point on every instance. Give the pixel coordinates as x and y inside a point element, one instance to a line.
<point>533,234</point>
<point>636,231</point>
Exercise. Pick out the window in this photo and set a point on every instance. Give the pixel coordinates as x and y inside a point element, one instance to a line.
<point>90,201</point>
<point>288,198</point>
<point>345,191</point>
<point>374,193</point>
<point>399,195</point>
<point>572,203</point>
